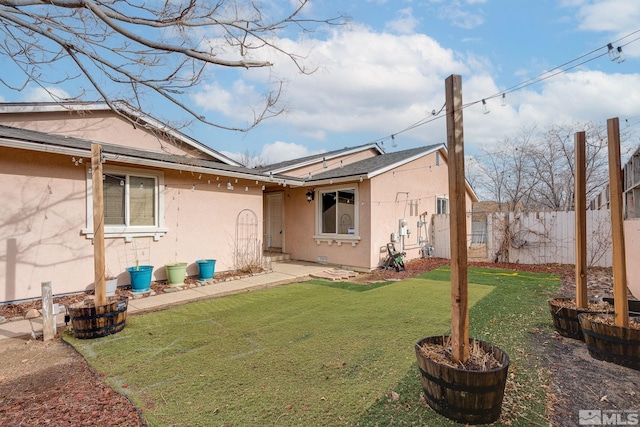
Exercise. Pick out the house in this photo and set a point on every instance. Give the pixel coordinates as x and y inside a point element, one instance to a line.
<point>169,198</point>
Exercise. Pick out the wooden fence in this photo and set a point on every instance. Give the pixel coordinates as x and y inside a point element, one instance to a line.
<point>531,238</point>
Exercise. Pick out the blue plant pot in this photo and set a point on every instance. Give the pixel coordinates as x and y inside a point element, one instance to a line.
<point>140,278</point>
<point>206,268</point>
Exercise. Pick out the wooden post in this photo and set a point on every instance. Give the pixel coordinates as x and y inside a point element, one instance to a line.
<point>620,299</point>
<point>580,202</point>
<point>48,316</point>
<point>457,221</point>
<point>100,297</point>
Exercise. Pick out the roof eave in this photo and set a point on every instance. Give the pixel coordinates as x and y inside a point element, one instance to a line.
<point>125,109</point>
<point>141,161</point>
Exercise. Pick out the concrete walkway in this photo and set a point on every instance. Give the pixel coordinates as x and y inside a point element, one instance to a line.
<point>281,274</point>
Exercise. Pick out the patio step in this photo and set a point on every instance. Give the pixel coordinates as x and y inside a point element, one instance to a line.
<point>276,257</point>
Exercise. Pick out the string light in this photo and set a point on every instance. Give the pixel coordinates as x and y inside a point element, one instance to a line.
<point>503,100</point>
<point>324,162</point>
<point>393,139</point>
<point>229,186</point>
<point>614,53</point>
<point>485,108</point>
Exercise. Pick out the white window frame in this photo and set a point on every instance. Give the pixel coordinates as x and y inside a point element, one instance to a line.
<point>331,238</point>
<point>442,197</point>
<point>129,232</point>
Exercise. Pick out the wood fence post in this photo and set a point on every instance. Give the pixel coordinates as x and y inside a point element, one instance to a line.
<point>100,297</point>
<point>580,209</point>
<point>620,298</point>
<point>458,221</point>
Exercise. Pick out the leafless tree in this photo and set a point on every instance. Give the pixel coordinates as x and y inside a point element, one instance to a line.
<point>251,159</point>
<point>151,48</point>
<point>536,167</point>
<point>507,170</point>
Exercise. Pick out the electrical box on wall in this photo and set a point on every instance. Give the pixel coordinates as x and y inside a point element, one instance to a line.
<point>403,227</point>
<point>394,237</point>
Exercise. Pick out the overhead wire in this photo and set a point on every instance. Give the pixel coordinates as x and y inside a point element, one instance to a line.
<point>560,69</point>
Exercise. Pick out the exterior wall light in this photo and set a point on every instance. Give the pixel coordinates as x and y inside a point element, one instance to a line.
<point>310,196</point>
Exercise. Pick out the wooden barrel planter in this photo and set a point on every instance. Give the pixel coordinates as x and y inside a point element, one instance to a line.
<point>611,343</point>
<point>465,396</point>
<point>634,305</point>
<point>91,321</point>
<point>565,319</point>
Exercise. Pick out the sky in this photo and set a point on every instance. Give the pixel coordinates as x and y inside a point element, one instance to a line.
<point>385,71</point>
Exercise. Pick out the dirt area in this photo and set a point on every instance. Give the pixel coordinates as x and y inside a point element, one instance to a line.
<point>50,384</point>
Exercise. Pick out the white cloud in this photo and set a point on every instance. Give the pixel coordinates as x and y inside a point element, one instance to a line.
<point>619,18</point>
<point>275,152</point>
<point>378,84</point>
<point>405,23</point>
<point>366,82</point>
<point>280,151</point>
<point>239,103</point>
<point>39,94</point>
<point>461,15</point>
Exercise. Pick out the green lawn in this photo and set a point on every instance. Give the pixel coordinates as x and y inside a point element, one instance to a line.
<point>314,353</point>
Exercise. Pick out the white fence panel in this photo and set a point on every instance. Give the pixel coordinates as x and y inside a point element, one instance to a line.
<point>535,237</point>
<point>440,231</point>
<point>548,238</point>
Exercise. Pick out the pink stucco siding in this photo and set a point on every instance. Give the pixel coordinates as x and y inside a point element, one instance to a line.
<point>44,211</point>
<point>406,192</point>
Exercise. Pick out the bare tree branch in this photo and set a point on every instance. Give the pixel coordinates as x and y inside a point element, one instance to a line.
<point>161,48</point>
<point>536,167</point>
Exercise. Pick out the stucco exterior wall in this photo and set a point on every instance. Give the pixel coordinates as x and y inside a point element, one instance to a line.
<point>405,192</point>
<point>632,249</point>
<point>300,232</point>
<point>100,126</point>
<point>44,210</point>
<point>394,193</point>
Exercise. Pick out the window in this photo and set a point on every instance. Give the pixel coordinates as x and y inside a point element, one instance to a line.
<point>132,204</point>
<point>442,205</point>
<point>129,200</point>
<point>337,215</point>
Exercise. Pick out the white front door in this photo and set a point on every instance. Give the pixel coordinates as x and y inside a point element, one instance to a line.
<point>275,221</point>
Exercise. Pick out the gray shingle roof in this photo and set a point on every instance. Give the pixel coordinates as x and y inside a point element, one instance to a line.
<point>123,109</point>
<point>61,141</point>
<point>374,164</point>
<point>304,160</point>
